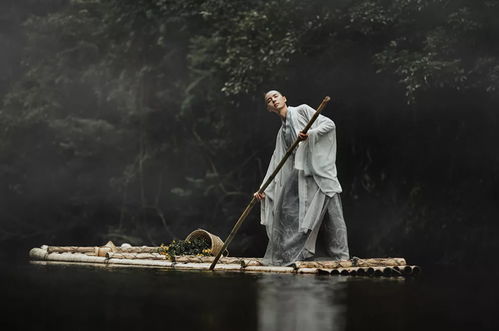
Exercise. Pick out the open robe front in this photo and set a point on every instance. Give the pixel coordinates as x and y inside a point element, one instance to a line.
<point>296,199</point>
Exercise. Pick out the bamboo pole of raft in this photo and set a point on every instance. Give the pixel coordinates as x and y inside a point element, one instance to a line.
<point>208,259</point>
<point>251,262</point>
<point>183,258</point>
<point>139,256</point>
<point>138,249</point>
<point>109,246</point>
<point>267,183</point>
<point>372,262</point>
<point>407,270</point>
<point>70,249</point>
<point>365,271</point>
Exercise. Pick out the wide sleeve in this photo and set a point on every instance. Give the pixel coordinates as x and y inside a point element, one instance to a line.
<point>317,155</point>
<point>321,126</point>
<point>267,204</point>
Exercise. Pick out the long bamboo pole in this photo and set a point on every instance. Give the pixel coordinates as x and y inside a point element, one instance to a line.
<point>267,183</point>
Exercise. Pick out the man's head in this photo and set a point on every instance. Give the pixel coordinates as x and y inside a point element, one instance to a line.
<point>275,101</point>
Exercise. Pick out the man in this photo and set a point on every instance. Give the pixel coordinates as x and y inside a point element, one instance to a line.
<point>301,208</point>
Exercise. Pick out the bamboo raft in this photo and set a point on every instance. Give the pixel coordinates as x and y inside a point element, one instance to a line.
<point>110,255</point>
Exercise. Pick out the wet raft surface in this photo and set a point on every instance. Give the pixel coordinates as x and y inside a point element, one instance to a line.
<point>149,257</point>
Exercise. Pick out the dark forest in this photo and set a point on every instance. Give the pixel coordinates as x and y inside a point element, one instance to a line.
<point>141,120</point>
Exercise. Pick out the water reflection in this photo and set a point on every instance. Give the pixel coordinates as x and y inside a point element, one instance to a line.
<point>62,297</point>
<point>301,302</point>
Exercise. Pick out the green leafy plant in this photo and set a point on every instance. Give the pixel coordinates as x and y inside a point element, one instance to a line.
<point>196,246</point>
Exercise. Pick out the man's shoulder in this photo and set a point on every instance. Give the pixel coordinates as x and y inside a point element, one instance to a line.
<point>303,108</point>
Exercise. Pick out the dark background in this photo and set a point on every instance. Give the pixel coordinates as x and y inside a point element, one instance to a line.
<point>140,121</point>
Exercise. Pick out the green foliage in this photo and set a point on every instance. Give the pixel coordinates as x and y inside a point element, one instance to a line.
<point>446,51</point>
<point>137,119</point>
<point>197,246</point>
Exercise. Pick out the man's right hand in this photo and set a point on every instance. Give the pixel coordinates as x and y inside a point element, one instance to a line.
<point>259,196</point>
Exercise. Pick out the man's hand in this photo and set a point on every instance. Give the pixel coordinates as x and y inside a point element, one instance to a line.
<point>259,196</point>
<point>302,136</point>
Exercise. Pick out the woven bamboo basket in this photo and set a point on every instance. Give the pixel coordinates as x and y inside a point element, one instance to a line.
<point>215,241</point>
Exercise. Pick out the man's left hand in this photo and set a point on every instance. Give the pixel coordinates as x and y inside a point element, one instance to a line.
<point>302,136</point>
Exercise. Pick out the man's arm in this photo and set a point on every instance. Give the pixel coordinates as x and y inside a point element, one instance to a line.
<point>323,124</point>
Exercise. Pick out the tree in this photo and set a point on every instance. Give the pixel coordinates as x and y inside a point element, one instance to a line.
<point>140,120</point>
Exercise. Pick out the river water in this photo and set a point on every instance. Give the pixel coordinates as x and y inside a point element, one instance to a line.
<point>82,297</point>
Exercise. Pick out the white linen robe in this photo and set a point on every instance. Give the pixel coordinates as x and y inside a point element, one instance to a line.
<point>314,164</point>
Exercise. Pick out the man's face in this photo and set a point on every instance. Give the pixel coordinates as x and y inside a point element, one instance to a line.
<point>275,101</point>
